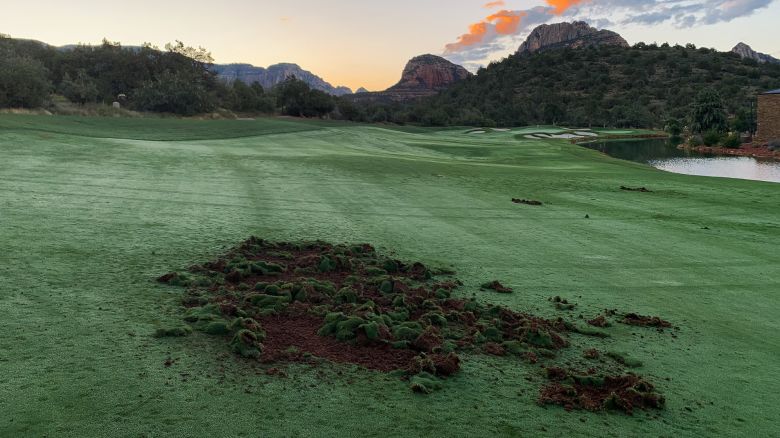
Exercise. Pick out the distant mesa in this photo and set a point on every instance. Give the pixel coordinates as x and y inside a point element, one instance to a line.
<point>746,52</point>
<point>423,76</point>
<point>569,35</point>
<point>274,75</point>
<point>361,90</point>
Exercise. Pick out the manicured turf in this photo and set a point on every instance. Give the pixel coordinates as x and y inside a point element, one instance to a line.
<point>92,210</point>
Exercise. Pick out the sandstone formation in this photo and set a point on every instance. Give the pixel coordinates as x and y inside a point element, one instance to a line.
<point>423,76</point>
<point>569,35</point>
<point>746,52</point>
<point>275,74</point>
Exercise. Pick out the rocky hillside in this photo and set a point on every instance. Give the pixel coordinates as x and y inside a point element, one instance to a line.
<point>569,35</point>
<point>610,85</point>
<point>746,52</point>
<point>423,76</point>
<point>275,74</point>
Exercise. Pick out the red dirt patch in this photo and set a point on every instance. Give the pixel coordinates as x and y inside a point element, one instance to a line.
<point>313,301</point>
<point>494,349</point>
<point>599,321</point>
<point>498,287</point>
<point>167,277</point>
<point>624,393</point>
<point>645,321</point>
<point>591,354</point>
<point>299,330</point>
<point>746,150</point>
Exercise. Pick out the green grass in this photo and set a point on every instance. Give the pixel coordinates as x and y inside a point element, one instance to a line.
<point>92,210</point>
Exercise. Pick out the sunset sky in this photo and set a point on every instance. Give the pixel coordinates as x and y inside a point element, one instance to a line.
<point>366,43</point>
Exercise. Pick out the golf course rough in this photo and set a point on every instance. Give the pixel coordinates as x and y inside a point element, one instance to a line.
<point>93,209</point>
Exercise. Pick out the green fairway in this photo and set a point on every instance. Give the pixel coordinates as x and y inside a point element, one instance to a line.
<point>92,210</point>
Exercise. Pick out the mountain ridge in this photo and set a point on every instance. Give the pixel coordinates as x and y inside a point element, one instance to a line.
<point>574,35</point>
<point>423,76</point>
<point>274,74</point>
<point>747,52</point>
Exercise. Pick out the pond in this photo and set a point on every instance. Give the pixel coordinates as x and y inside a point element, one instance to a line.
<point>663,154</point>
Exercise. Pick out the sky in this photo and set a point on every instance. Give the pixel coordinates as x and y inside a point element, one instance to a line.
<point>366,43</point>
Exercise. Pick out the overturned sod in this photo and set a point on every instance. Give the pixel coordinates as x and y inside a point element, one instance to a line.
<point>309,301</point>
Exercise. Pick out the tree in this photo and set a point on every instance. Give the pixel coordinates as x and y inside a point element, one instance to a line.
<point>174,93</point>
<point>743,121</point>
<point>23,82</point>
<point>81,90</point>
<point>673,127</point>
<point>708,113</point>
<point>295,98</point>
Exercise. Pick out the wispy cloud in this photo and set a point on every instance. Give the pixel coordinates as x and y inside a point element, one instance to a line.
<point>561,6</point>
<point>496,4</point>
<point>499,31</point>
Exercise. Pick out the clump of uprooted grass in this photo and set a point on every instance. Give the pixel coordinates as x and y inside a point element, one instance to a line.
<point>594,392</point>
<point>563,303</point>
<point>348,303</point>
<point>645,321</point>
<point>625,359</point>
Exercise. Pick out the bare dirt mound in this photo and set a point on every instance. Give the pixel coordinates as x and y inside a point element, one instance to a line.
<point>594,393</point>
<point>305,302</point>
<point>645,321</point>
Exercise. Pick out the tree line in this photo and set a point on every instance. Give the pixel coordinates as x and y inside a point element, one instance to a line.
<point>644,86</point>
<point>176,80</point>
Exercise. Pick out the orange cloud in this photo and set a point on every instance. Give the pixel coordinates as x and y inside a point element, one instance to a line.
<point>496,4</point>
<point>506,22</point>
<point>477,32</point>
<point>503,22</point>
<point>560,6</point>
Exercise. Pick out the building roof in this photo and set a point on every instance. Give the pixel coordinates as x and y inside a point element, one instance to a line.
<point>773,92</point>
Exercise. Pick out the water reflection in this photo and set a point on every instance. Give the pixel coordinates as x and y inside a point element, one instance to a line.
<point>663,154</point>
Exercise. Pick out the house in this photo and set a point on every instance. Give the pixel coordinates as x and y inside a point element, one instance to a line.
<point>768,117</point>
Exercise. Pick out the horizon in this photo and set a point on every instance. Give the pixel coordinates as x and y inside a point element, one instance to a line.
<point>372,53</point>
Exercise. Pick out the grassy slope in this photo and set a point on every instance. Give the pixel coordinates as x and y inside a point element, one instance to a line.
<point>88,222</point>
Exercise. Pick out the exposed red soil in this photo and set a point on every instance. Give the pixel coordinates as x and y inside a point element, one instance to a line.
<point>299,330</point>
<point>624,393</point>
<point>527,202</point>
<point>308,302</point>
<point>645,321</point>
<point>167,277</point>
<point>599,321</point>
<point>494,349</point>
<point>617,137</point>
<point>382,283</point>
<point>498,287</point>
<point>746,150</point>
<point>591,354</point>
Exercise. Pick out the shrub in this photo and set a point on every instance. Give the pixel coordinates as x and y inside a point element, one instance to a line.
<point>23,82</point>
<point>695,140</point>
<point>174,93</point>
<point>732,141</point>
<point>82,89</point>
<point>711,138</point>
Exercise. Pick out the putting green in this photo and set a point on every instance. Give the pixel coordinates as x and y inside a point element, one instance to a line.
<point>93,209</point>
